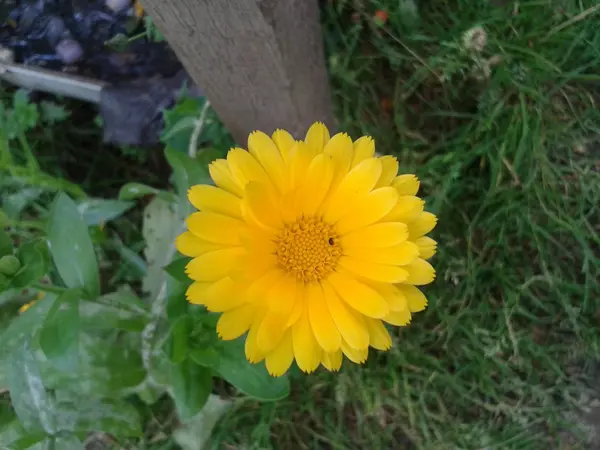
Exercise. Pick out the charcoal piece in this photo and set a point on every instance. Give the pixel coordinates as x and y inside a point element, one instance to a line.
<point>132,111</point>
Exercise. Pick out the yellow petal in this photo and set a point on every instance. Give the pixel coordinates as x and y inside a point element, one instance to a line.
<point>379,336</point>
<point>211,198</point>
<point>232,324</point>
<point>422,225</point>
<point>258,240</point>
<point>364,148</point>
<point>357,183</point>
<point>406,210</point>
<point>317,137</point>
<point>215,228</point>
<point>281,358</point>
<point>306,349</point>
<point>420,272</point>
<point>397,255</point>
<point>375,236</point>
<point>298,306</point>
<point>332,361</point>
<point>223,178</point>
<point>300,159</point>
<point>259,201</point>
<point>427,247</point>
<point>284,142</point>
<point>189,245</point>
<point>390,170</point>
<point>416,299</point>
<point>368,210</point>
<point>341,150</point>
<point>283,295</point>
<point>267,154</point>
<point>322,324</point>
<point>316,184</point>
<point>358,356</point>
<point>358,295</point>
<point>373,271</point>
<point>254,353</point>
<point>406,184</point>
<point>350,325</point>
<point>260,287</point>
<point>218,296</point>
<point>398,318</point>
<point>245,168</point>
<point>253,266</point>
<point>271,331</point>
<point>214,265</point>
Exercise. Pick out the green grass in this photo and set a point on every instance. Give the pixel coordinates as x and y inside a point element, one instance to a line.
<point>509,161</point>
<point>506,144</point>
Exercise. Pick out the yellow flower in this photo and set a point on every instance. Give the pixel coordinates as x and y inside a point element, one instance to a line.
<point>309,247</point>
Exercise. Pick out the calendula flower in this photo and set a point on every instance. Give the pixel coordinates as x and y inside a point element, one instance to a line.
<point>309,247</point>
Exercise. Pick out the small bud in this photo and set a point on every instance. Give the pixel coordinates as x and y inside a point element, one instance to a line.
<point>9,265</point>
<point>381,17</point>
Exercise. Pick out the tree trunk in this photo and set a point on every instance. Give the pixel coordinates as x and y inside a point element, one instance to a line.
<point>259,62</point>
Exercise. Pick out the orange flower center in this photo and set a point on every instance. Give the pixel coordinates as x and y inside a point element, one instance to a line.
<point>308,248</point>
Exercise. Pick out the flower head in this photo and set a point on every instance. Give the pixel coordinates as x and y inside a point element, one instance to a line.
<point>309,247</point>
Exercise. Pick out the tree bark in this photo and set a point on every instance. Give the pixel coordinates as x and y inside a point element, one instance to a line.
<point>259,62</point>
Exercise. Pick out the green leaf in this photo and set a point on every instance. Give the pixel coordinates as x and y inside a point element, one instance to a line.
<point>71,247</point>
<point>68,443</point>
<point>110,365</point>
<point>97,211</point>
<point>119,310</point>
<point>252,379</point>
<point>192,385</point>
<point>59,336</point>
<point>6,245</point>
<point>113,416</point>
<point>177,304</point>
<point>28,395</point>
<point>132,191</point>
<point>188,171</point>
<point>206,357</point>
<point>196,432</point>
<point>177,345</point>
<point>177,269</point>
<point>35,262</point>
<point>180,121</point>
<point>23,327</point>
<point>162,224</point>
<point>53,113</point>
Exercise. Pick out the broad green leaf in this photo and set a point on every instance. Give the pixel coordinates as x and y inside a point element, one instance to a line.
<point>34,407</point>
<point>68,443</point>
<point>113,416</point>
<point>96,315</point>
<point>252,379</point>
<point>162,224</point>
<point>196,432</point>
<point>177,304</point>
<point>177,345</point>
<point>191,385</point>
<point>207,357</point>
<point>35,262</point>
<point>53,113</point>
<point>177,269</point>
<point>97,211</point>
<point>24,326</point>
<point>71,247</point>
<point>59,336</point>
<point>188,172</point>
<point>110,365</point>
<point>180,121</point>
<point>132,191</point>
<point>6,245</point>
